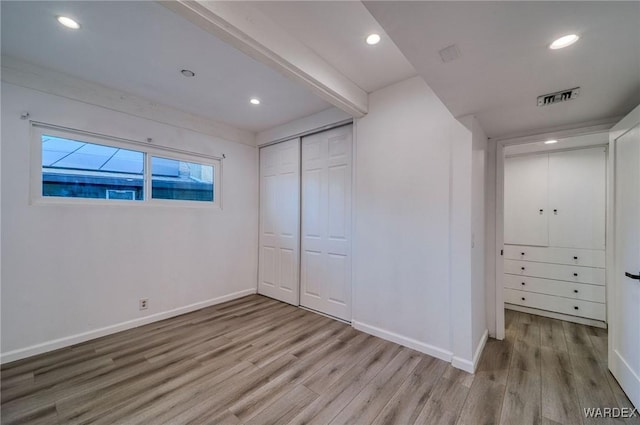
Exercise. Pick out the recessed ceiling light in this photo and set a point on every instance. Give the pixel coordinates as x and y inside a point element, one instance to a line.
<point>188,73</point>
<point>254,101</point>
<point>373,39</point>
<point>565,41</point>
<point>68,22</point>
<point>550,142</point>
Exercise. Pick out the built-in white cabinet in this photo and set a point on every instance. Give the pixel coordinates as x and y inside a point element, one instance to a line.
<point>556,199</point>
<point>526,199</point>
<point>554,232</point>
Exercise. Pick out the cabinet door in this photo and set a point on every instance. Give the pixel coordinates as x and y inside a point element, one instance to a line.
<point>577,198</point>
<point>525,200</point>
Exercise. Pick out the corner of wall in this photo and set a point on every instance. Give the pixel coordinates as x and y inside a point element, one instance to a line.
<point>471,365</point>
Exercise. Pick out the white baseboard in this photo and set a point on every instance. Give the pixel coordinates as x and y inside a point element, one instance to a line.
<point>55,344</point>
<point>559,316</point>
<point>403,340</point>
<point>471,365</point>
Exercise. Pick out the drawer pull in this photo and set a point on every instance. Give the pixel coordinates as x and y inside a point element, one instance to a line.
<point>522,253</point>
<point>523,283</point>
<point>575,274</point>
<point>541,210</point>
<point>576,307</point>
<point>575,258</point>
<point>555,212</point>
<point>522,268</point>
<point>575,290</point>
<point>522,298</point>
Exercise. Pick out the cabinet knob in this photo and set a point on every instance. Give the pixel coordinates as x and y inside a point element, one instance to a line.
<point>575,258</point>
<point>541,211</point>
<point>522,253</point>
<point>555,212</point>
<point>522,268</point>
<point>575,290</point>
<point>575,274</point>
<point>576,308</point>
<point>523,283</point>
<point>522,298</point>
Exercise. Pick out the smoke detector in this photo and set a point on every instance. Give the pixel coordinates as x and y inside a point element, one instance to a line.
<point>557,97</point>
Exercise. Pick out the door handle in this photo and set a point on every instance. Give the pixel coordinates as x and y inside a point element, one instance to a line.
<point>632,276</point>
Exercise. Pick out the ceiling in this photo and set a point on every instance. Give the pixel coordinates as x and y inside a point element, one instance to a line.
<point>505,62</point>
<point>140,48</point>
<point>336,31</point>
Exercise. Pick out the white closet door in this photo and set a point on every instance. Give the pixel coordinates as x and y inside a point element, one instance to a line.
<point>577,181</point>
<point>279,256</point>
<point>326,222</point>
<point>525,200</point>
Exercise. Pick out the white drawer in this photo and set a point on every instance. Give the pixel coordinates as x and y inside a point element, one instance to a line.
<point>570,256</point>
<point>590,275</point>
<point>578,291</point>
<point>596,311</point>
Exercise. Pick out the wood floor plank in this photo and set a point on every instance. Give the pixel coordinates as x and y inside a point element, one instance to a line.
<point>334,398</point>
<point>447,398</point>
<point>407,403</point>
<point>522,402</point>
<point>559,394</point>
<point>552,334</point>
<point>376,394</point>
<point>483,404</point>
<point>331,372</point>
<point>526,357</point>
<point>577,338</point>
<point>286,407</point>
<point>495,360</point>
<point>592,386</point>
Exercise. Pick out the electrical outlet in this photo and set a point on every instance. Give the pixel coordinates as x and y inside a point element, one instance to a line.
<point>144,303</point>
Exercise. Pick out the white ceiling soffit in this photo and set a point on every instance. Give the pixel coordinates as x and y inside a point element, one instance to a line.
<point>336,30</point>
<point>246,28</point>
<point>504,61</point>
<point>140,48</point>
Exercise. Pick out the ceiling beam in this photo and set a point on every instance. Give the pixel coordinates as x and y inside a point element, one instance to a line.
<point>251,32</point>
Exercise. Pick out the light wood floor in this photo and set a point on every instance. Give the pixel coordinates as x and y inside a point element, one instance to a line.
<point>258,361</point>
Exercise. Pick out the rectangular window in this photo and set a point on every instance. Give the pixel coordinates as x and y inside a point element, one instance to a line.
<point>77,169</point>
<point>181,180</point>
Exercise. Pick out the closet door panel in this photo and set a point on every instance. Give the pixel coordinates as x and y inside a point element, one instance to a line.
<point>326,222</point>
<point>577,182</point>
<point>526,200</point>
<point>279,254</point>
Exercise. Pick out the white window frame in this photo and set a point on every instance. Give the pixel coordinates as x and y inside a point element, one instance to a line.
<point>148,150</point>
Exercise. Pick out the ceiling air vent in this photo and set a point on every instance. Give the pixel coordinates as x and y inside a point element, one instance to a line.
<point>449,53</point>
<point>557,97</point>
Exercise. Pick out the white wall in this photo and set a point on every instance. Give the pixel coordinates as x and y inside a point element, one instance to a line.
<point>302,125</point>
<point>74,272</point>
<point>468,310</point>
<point>402,282</point>
<point>478,244</point>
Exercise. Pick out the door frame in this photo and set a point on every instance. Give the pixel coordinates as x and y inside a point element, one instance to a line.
<point>618,130</point>
<point>494,255</point>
